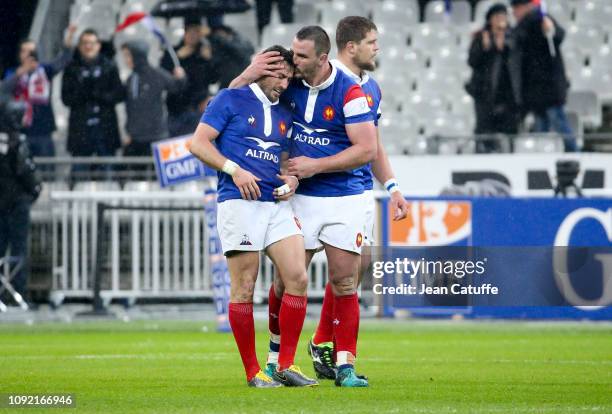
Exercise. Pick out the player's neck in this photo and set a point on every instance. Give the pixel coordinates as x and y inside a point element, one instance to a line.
<point>346,61</point>
<point>321,76</point>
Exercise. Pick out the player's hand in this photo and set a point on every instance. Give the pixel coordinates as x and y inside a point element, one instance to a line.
<point>292,182</point>
<point>263,64</point>
<point>247,184</point>
<point>399,206</point>
<point>302,167</point>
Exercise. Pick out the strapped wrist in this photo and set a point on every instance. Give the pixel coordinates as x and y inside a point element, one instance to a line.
<point>392,186</point>
<point>230,167</point>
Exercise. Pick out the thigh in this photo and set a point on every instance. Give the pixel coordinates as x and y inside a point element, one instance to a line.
<point>242,225</point>
<point>282,224</point>
<point>310,215</point>
<point>243,268</point>
<point>289,257</point>
<point>344,226</point>
<point>342,264</point>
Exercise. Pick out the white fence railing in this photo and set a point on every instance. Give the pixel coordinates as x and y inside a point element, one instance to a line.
<point>155,249</point>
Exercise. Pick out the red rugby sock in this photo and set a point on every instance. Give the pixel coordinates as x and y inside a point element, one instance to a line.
<point>243,328</point>
<point>292,316</point>
<point>346,327</point>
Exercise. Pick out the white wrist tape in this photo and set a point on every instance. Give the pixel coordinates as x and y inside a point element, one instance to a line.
<point>392,186</point>
<point>230,167</point>
<point>283,189</point>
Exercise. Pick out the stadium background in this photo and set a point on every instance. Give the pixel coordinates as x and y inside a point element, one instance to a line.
<point>156,267</point>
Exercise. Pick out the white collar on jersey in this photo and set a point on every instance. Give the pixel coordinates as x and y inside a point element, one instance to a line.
<point>326,84</point>
<point>261,95</point>
<point>359,79</point>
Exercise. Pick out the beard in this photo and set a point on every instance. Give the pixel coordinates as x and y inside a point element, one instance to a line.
<point>369,65</point>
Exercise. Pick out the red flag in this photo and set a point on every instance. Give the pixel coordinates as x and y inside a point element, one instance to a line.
<point>131,19</point>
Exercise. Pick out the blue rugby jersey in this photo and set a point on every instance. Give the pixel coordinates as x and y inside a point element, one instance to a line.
<point>374,96</point>
<point>320,116</point>
<point>253,132</point>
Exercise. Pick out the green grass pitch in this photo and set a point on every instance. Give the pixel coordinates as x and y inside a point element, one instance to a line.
<point>414,367</point>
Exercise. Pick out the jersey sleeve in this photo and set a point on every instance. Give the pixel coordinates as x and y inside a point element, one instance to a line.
<point>355,106</point>
<point>218,112</point>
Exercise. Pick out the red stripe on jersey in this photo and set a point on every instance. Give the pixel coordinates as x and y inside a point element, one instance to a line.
<point>353,92</point>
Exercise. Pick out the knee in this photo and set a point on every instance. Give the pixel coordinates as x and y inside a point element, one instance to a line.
<point>297,282</point>
<point>343,286</point>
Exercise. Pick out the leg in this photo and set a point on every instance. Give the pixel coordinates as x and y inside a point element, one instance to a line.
<point>243,268</point>
<point>263,12</point>
<point>561,124</point>
<point>343,275</point>
<point>19,230</point>
<point>285,11</point>
<point>288,257</point>
<point>541,123</point>
<point>275,296</point>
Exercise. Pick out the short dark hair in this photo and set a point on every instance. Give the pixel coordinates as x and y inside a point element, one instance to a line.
<point>89,31</point>
<point>318,35</point>
<point>286,54</point>
<point>353,29</point>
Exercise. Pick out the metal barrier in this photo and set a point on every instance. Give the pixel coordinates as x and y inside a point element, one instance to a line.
<point>154,247</point>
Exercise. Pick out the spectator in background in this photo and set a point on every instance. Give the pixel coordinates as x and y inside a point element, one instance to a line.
<point>30,82</point>
<point>20,186</point>
<point>146,120</point>
<point>544,83</point>
<point>495,82</point>
<point>231,53</point>
<point>91,88</point>
<point>264,12</point>
<point>195,55</point>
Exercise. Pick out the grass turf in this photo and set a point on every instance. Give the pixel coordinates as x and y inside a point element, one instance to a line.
<point>414,367</point>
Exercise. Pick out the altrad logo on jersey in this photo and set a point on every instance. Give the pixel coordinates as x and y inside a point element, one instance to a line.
<point>306,135</point>
<point>262,154</point>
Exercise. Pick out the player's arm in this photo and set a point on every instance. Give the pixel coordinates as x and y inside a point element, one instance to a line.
<point>203,148</point>
<point>381,168</point>
<point>263,64</point>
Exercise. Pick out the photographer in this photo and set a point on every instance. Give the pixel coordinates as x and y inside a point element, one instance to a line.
<point>495,82</point>
<point>20,184</point>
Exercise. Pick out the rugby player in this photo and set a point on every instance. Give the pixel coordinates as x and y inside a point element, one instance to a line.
<point>333,137</point>
<point>250,129</point>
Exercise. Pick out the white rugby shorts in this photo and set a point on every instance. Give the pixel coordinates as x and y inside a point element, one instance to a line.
<point>247,225</point>
<point>337,221</point>
<point>370,213</point>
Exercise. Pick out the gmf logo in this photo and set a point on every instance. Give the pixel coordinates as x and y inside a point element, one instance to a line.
<point>174,149</point>
<point>432,223</point>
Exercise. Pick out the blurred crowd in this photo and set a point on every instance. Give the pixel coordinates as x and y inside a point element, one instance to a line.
<point>91,89</point>
<point>518,71</point>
